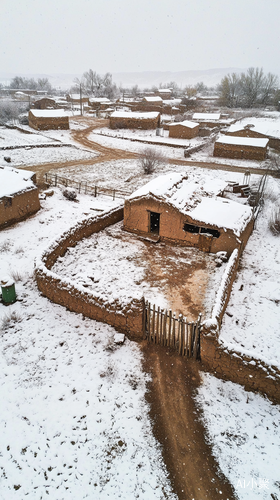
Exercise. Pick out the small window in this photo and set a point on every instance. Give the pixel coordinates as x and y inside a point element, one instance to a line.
<point>207,230</point>
<point>190,228</point>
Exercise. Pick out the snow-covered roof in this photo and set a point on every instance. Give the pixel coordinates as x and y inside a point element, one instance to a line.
<point>185,123</point>
<point>48,113</point>
<point>13,180</point>
<point>140,116</point>
<point>243,141</point>
<point>99,99</point>
<point>156,98</point>
<point>265,126</point>
<point>206,116</point>
<point>197,197</point>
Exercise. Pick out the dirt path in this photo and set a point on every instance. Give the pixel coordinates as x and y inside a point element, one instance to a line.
<point>193,471</point>
<point>109,154</point>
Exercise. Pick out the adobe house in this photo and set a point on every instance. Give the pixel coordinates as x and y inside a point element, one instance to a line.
<point>19,197</point>
<point>48,119</point>
<point>189,211</point>
<point>44,103</point>
<point>247,148</point>
<point>207,119</point>
<point>164,93</point>
<point>76,98</point>
<point>183,130</point>
<point>99,103</point>
<point>134,120</point>
<point>258,130</point>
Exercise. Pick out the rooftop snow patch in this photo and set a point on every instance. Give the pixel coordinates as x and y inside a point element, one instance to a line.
<point>99,99</point>
<point>265,126</point>
<point>206,116</point>
<point>185,123</point>
<point>222,212</point>
<point>182,191</point>
<point>48,113</point>
<point>153,99</point>
<point>134,115</point>
<point>243,141</point>
<point>12,181</point>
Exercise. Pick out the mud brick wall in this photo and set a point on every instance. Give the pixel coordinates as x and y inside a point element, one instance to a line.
<point>239,152</point>
<point>44,123</point>
<point>182,132</point>
<point>18,207</point>
<point>128,319</point>
<point>133,123</point>
<point>227,364</point>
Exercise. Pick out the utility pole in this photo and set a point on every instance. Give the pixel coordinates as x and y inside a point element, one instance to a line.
<point>81,102</point>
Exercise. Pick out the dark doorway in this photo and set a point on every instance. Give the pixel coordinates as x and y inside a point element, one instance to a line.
<point>154,222</point>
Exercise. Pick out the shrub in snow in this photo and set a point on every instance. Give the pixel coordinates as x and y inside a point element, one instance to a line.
<point>70,194</point>
<point>149,159</point>
<point>274,222</point>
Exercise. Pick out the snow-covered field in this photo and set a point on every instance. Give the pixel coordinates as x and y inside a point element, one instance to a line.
<point>13,138</point>
<point>251,322</point>
<point>74,420</point>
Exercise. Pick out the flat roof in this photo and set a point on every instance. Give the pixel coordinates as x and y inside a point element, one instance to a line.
<point>138,116</point>
<point>13,180</point>
<point>206,116</point>
<point>185,123</point>
<point>243,141</point>
<point>48,113</point>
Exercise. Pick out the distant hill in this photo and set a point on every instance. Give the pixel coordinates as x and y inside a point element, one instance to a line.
<point>143,79</point>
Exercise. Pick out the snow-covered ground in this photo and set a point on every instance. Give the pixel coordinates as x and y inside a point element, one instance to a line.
<point>251,322</point>
<point>74,421</point>
<point>59,370</point>
<point>13,138</point>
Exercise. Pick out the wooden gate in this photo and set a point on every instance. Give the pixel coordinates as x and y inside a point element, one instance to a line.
<point>164,328</point>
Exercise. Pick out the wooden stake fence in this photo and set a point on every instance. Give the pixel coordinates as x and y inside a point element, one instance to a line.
<point>164,328</point>
<point>82,186</point>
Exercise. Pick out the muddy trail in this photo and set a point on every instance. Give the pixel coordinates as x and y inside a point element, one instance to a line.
<point>109,154</point>
<point>177,425</point>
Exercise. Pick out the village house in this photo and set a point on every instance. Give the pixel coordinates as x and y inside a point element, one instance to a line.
<point>247,148</point>
<point>164,93</point>
<point>207,119</point>
<point>183,130</point>
<point>19,197</point>
<point>258,130</point>
<point>189,211</point>
<point>134,120</point>
<point>44,103</point>
<point>76,99</point>
<point>99,103</point>
<point>48,119</point>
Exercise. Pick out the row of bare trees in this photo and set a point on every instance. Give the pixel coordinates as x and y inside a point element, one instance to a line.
<point>248,90</point>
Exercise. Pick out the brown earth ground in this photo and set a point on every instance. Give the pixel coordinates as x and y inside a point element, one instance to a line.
<point>193,471</point>
<point>108,154</point>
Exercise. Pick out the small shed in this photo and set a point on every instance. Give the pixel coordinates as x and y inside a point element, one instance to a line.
<point>19,197</point>
<point>48,119</point>
<point>247,148</point>
<point>184,130</point>
<point>189,211</point>
<point>207,119</point>
<point>134,120</point>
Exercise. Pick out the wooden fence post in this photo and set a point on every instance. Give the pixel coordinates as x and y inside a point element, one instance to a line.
<point>55,180</point>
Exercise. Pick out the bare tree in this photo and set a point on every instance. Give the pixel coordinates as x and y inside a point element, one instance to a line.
<point>9,112</point>
<point>97,85</point>
<point>150,159</point>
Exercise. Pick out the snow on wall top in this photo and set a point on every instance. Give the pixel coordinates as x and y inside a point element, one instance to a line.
<point>12,181</point>
<point>99,99</point>
<point>48,113</point>
<point>185,123</point>
<point>196,196</point>
<point>206,116</point>
<point>265,126</point>
<point>243,141</point>
<point>135,115</point>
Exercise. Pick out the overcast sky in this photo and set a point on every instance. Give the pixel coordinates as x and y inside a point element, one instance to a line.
<point>71,36</point>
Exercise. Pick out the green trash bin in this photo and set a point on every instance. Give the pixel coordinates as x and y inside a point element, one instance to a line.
<point>8,290</point>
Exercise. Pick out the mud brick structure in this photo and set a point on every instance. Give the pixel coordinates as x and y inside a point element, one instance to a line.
<point>252,131</point>
<point>19,197</point>
<point>133,120</point>
<point>126,318</point>
<point>44,103</point>
<point>183,130</point>
<point>207,119</point>
<point>48,119</point>
<point>175,208</point>
<point>246,148</point>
